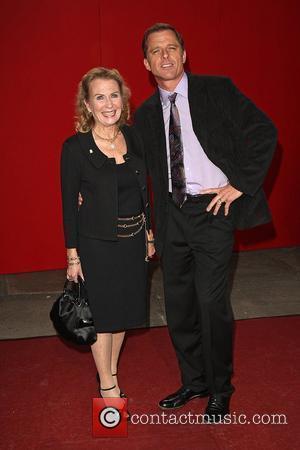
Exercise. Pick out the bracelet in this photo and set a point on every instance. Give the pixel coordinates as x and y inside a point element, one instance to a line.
<point>74,263</point>
<point>74,258</point>
<point>151,241</point>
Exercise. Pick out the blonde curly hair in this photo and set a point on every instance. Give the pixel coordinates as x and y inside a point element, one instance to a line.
<point>84,120</point>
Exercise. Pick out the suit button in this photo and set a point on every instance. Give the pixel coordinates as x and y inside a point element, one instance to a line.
<point>143,188</point>
<point>137,172</point>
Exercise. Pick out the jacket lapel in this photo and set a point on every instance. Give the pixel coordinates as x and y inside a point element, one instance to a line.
<point>156,122</point>
<point>198,102</point>
<point>90,149</point>
<point>132,156</point>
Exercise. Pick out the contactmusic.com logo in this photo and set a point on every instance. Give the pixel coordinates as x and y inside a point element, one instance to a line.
<point>110,417</point>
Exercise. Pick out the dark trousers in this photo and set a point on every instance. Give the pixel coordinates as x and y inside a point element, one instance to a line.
<point>195,262</point>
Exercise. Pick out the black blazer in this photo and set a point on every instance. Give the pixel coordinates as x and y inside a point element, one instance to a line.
<point>85,169</point>
<point>235,135</point>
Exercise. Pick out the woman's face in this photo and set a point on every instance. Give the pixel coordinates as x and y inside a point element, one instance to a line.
<point>105,101</point>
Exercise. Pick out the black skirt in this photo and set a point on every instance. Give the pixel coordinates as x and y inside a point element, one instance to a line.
<point>115,272</point>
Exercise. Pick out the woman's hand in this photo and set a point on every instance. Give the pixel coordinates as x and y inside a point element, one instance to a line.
<point>74,266</point>
<point>73,272</point>
<point>150,244</point>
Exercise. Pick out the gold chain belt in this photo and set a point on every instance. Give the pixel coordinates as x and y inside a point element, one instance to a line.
<point>133,224</point>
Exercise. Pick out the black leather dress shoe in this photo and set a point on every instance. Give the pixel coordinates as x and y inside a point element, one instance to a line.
<point>181,397</point>
<point>217,408</point>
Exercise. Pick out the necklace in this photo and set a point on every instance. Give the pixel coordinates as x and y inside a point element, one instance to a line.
<point>110,140</point>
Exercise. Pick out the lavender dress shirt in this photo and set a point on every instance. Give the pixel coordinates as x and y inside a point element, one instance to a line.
<point>200,171</point>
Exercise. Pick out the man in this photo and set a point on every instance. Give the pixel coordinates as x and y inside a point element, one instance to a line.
<point>208,149</point>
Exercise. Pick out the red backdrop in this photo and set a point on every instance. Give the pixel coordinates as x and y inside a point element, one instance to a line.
<point>48,46</point>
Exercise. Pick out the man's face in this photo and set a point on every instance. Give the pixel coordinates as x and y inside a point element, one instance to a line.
<point>165,57</point>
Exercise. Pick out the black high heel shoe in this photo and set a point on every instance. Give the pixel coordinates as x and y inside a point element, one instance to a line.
<point>128,415</point>
<point>105,389</point>
<point>122,395</point>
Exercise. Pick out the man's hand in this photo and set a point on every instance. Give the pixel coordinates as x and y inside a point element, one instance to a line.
<point>226,194</point>
<point>150,245</point>
<point>80,200</point>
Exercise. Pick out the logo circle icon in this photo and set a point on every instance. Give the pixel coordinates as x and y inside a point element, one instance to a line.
<point>110,417</point>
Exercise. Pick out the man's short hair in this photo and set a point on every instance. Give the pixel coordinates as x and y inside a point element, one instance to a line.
<point>160,27</point>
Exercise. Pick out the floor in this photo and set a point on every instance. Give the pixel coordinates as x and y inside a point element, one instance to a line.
<point>264,283</point>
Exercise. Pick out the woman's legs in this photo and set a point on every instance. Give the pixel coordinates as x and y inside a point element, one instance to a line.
<point>106,352</point>
<point>117,341</point>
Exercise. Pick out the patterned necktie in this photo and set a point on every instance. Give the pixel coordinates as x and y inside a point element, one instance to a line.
<point>176,155</point>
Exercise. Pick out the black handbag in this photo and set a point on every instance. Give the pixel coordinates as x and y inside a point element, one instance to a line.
<point>71,314</point>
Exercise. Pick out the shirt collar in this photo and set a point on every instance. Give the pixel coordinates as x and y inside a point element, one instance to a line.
<point>181,89</point>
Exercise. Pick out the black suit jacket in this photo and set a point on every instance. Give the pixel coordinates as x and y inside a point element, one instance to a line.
<point>85,169</point>
<point>235,135</point>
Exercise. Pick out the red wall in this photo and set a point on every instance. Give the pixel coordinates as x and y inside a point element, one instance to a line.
<point>46,48</point>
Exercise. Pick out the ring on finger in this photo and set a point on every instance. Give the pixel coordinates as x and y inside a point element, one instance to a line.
<point>219,202</point>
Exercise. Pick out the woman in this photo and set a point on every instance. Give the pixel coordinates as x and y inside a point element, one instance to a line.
<point>108,239</point>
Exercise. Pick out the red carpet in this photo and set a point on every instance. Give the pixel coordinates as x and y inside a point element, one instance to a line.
<point>47,387</point>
